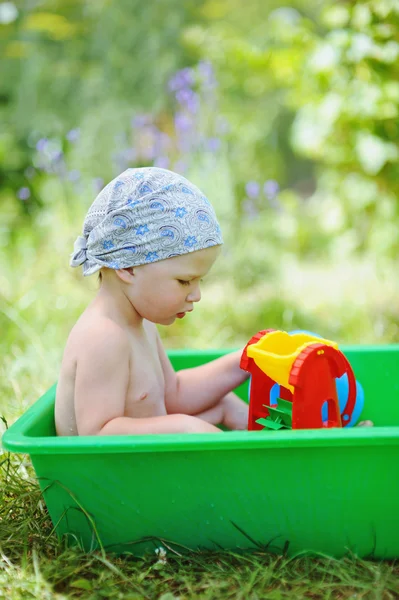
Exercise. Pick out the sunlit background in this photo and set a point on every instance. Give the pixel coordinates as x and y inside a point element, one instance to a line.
<point>285,115</point>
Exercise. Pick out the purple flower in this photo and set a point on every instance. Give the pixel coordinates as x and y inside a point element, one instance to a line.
<point>213,144</point>
<point>184,96</point>
<point>188,99</point>
<point>73,135</point>
<point>23,193</point>
<point>252,189</point>
<point>41,144</point>
<point>271,188</point>
<point>108,244</point>
<point>181,79</point>
<point>183,122</point>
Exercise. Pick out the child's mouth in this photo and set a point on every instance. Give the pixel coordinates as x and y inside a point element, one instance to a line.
<point>181,315</point>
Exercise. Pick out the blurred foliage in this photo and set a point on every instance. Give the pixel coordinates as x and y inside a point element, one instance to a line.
<point>347,121</point>
<point>301,100</point>
<point>333,71</point>
<point>76,64</point>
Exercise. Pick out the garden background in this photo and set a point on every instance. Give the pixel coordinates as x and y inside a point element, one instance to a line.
<point>286,115</point>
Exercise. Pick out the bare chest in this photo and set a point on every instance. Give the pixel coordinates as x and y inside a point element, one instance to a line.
<point>146,390</point>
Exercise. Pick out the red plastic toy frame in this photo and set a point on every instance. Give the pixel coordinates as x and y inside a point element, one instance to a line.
<point>312,375</point>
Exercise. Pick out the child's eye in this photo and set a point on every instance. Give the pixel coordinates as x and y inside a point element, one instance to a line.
<point>183,282</point>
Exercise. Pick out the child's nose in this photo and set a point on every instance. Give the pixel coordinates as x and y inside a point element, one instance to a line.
<point>194,295</point>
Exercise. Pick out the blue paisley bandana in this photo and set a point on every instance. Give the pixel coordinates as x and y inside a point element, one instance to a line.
<point>143,216</point>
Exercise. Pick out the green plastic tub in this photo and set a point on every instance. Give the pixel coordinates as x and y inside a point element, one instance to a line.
<point>331,491</point>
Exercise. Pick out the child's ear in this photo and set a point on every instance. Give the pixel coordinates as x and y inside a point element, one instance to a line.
<point>126,275</point>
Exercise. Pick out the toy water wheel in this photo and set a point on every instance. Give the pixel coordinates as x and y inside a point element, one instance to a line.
<point>306,368</point>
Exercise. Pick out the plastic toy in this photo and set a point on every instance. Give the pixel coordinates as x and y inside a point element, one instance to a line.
<point>299,381</point>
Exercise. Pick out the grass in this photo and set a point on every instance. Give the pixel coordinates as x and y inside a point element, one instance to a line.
<point>35,564</point>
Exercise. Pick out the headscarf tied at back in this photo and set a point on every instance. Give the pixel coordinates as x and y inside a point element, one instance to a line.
<point>142,216</point>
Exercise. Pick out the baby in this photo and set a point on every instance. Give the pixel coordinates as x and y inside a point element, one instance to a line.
<point>153,236</point>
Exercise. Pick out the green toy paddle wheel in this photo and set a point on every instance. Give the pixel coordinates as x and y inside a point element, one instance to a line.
<point>280,416</point>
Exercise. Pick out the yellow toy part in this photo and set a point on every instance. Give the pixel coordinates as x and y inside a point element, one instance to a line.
<point>276,352</point>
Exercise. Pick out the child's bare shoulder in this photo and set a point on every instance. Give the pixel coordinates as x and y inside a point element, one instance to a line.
<point>97,335</point>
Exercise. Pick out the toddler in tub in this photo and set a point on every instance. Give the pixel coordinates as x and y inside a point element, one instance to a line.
<point>152,235</point>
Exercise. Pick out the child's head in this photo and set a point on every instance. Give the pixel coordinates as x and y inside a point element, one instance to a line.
<point>159,222</point>
<point>166,289</point>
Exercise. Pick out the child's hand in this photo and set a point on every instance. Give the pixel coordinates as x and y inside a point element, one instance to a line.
<point>235,412</point>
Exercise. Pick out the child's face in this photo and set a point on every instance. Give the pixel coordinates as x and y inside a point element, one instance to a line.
<point>166,290</point>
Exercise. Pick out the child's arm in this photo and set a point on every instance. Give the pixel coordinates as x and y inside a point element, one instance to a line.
<point>200,388</point>
<point>102,379</point>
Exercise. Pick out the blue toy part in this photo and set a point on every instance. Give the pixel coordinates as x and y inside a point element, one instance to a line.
<point>274,394</point>
<point>342,386</point>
